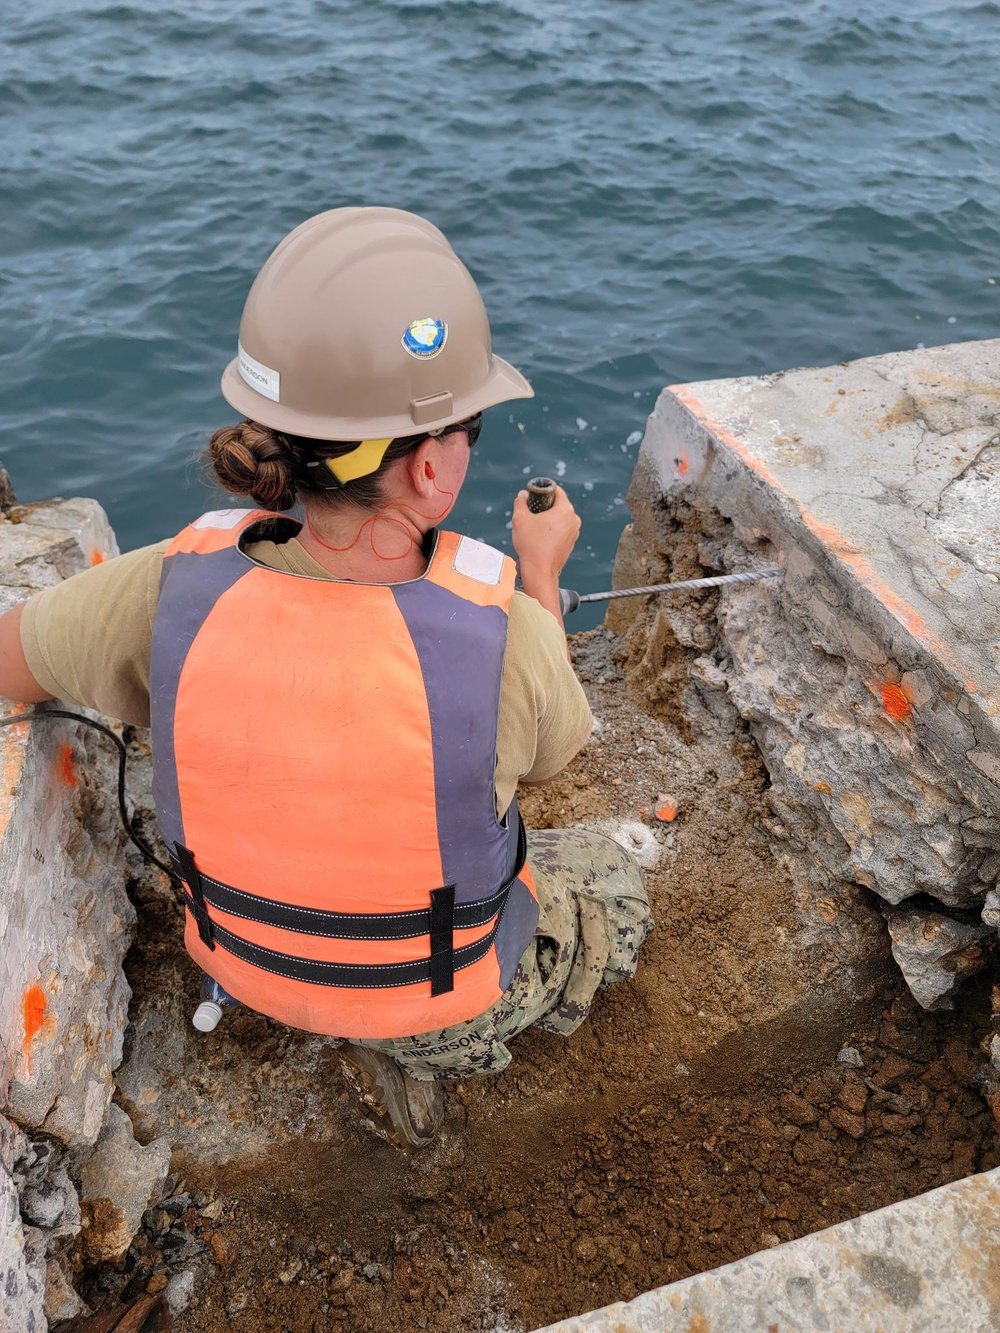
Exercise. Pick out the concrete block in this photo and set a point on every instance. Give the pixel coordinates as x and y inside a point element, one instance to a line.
<point>927,1265</point>
<point>64,915</point>
<point>66,923</point>
<point>857,499</point>
<point>42,544</point>
<point>869,676</point>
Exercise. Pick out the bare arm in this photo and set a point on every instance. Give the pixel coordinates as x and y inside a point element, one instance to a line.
<point>16,681</point>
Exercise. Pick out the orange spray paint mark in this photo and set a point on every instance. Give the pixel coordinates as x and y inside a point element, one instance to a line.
<point>895,702</point>
<point>97,557</point>
<point>34,1005</point>
<point>681,464</point>
<point>65,767</point>
<point>667,813</point>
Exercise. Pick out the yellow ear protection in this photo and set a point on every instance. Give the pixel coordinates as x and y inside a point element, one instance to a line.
<point>328,474</point>
<point>360,462</point>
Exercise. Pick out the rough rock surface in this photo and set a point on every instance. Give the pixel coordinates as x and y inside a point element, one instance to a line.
<point>48,1195</point>
<point>43,1204</point>
<point>934,953</point>
<point>64,914</point>
<point>22,1268</point>
<point>61,1299</point>
<point>7,497</point>
<point>118,1184</point>
<point>66,923</point>
<point>869,673</point>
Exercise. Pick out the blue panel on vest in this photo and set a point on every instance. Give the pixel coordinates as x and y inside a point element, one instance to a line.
<point>460,647</point>
<point>517,929</point>
<point>190,586</point>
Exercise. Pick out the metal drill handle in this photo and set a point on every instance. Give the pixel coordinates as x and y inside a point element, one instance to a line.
<point>541,494</point>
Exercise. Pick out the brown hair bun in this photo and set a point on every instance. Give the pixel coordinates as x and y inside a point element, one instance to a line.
<point>254,460</point>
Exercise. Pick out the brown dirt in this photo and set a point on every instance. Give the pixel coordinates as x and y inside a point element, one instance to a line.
<point>699,1115</point>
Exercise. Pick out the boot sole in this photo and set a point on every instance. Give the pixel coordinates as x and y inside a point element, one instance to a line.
<point>385,1127</point>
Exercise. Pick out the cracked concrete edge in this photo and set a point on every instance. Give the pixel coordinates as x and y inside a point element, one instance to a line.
<point>926,1265</point>
<point>687,449</point>
<point>903,618</point>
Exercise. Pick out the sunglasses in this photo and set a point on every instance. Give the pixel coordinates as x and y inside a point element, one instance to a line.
<point>472,425</point>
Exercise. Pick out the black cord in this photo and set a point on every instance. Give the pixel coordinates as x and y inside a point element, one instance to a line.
<point>42,711</point>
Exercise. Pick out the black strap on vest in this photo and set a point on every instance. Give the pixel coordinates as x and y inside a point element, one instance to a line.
<point>195,898</point>
<point>342,925</point>
<point>439,923</point>
<point>356,976</point>
<point>442,940</point>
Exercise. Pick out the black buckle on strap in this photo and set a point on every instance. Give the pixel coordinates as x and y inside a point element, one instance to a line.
<point>444,920</point>
<point>195,899</point>
<point>442,940</point>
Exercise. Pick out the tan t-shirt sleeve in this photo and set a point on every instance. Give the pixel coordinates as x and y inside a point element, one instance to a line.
<point>88,640</point>
<point>544,715</point>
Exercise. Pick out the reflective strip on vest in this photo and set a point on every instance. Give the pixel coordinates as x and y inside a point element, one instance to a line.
<point>324,759</point>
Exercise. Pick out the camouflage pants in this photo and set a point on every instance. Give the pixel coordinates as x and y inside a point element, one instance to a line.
<point>593,916</point>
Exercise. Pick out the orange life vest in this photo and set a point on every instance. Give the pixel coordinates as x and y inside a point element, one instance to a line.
<point>324,758</point>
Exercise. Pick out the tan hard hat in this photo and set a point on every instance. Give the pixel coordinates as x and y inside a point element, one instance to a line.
<point>365,323</point>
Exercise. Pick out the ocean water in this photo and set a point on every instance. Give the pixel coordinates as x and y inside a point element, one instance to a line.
<point>647,192</point>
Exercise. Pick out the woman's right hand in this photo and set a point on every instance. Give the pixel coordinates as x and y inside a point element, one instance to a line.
<point>545,541</point>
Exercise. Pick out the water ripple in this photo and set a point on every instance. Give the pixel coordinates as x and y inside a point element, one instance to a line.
<point>647,193</point>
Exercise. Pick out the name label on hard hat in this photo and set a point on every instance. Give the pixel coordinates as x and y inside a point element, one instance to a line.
<point>258,376</point>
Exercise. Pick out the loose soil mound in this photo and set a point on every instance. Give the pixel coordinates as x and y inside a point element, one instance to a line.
<point>702,1113</point>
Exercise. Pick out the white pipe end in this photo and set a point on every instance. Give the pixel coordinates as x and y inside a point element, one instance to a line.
<point>207,1016</point>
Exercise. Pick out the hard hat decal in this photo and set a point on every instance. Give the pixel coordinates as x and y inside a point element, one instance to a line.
<point>425,337</point>
<point>258,376</point>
